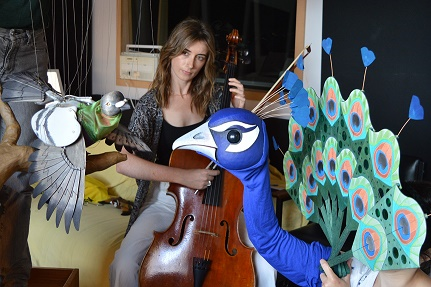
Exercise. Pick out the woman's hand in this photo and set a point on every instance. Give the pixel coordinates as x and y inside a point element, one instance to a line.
<point>199,178</point>
<point>330,279</point>
<point>237,90</point>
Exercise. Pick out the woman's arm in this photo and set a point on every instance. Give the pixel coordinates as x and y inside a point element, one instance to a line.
<point>140,168</point>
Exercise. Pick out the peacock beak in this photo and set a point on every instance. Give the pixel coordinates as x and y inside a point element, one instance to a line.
<point>199,140</point>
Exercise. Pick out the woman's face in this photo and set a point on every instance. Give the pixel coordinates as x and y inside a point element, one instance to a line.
<point>187,65</point>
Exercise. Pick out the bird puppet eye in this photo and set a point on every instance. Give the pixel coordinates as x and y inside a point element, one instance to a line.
<point>234,136</point>
<point>240,136</point>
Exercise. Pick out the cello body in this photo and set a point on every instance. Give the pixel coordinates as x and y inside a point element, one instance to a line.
<point>202,246</point>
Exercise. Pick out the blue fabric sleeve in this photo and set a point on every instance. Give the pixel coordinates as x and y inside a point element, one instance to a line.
<point>295,259</point>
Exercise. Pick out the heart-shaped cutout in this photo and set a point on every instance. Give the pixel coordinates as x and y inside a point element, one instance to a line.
<point>416,111</point>
<point>327,45</point>
<point>367,56</point>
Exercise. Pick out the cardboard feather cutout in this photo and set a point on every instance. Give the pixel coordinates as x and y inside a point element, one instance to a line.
<point>338,166</point>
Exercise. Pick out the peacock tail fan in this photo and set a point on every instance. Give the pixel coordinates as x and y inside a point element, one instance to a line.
<point>339,167</point>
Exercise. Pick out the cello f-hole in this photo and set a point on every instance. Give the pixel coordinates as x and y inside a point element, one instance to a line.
<point>183,227</point>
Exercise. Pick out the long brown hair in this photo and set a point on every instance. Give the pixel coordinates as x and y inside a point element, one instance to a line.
<point>185,34</point>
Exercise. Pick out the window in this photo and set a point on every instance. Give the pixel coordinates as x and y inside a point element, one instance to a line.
<point>267,28</point>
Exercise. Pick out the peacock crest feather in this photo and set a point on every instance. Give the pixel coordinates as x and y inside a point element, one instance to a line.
<point>337,166</point>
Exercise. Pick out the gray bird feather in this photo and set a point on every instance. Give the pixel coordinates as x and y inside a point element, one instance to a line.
<point>60,174</point>
<point>122,137</point>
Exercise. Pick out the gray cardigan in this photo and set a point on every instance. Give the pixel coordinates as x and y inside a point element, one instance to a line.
<point>146,123</point>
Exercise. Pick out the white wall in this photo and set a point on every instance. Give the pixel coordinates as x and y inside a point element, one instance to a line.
<point>104,48</point>
<point>313,36</point>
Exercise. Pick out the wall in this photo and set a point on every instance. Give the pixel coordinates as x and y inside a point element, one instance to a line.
<point>104,41</point>
<point>400,40</point>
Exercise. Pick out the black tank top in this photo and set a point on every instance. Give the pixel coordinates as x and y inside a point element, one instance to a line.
<point>168,135</point>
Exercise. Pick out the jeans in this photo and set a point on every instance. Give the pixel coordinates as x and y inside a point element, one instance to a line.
<point>20,51</point>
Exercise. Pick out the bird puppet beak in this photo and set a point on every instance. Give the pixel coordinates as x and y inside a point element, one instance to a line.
<point>123,105</point>
<point>199,140</point>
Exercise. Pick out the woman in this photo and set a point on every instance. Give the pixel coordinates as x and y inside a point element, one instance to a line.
<point>182,96</point>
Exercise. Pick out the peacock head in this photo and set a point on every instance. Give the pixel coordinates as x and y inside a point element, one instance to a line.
<point>233,138</point>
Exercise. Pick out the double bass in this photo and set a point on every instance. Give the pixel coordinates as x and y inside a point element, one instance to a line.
<point>202,247</point>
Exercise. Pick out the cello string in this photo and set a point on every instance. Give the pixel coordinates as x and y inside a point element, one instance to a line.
<point>208,218</point>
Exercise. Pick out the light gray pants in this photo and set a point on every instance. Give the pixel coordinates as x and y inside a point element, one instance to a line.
<point>158,214</point>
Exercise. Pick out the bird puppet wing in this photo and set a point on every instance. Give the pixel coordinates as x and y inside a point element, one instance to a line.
<point>65,127</point>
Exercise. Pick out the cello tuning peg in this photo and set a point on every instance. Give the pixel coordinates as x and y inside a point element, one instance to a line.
<point>245,60</point>
<point>244,56</point>
<point>245,52</point>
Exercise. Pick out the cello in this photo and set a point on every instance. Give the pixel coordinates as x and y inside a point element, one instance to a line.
<point>202,247</point>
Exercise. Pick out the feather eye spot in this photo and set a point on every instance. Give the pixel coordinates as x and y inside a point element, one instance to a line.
<point>356,123</point>
<point>319,168</point>
<point>382,162</point>
<point>309,204</point>
<point>369,244</point>
<point>292,172</point>
<point>404,225</point>
<point>345,179</point>
<point>298,138</point>
<point>332,166</point>
<point>359,207</point>
<point>331,107</point>
<point>311,181</point>
<point>312,114</point>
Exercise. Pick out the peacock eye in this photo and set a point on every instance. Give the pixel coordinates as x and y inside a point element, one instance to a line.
<point>234,136</point>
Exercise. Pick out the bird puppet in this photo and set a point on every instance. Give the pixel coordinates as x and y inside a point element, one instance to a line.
<point>65,127</point>
<point>336,167</point>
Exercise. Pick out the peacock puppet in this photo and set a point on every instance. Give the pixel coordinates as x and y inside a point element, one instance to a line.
<point>341,173</point>
<point>65,127</point>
